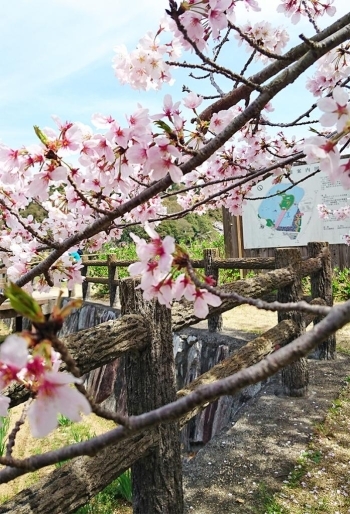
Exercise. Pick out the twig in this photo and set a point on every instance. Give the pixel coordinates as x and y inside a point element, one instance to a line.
<point>12,437</point>
<point>259,304</point>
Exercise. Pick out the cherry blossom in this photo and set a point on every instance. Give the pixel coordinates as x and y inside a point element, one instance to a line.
<point>265,36</point>
<point>297,8</point>
<point>202,298</point>
<point>192,101</point>
<point>336,109</point>
<point>115,159</point>
<point>55,396</point>
<point>157,275</point>
<point>13,358</point>
<point>216,15</point>
<point>322,150</point>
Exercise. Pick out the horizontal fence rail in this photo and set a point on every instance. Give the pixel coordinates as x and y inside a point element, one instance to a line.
<point>141,336</point>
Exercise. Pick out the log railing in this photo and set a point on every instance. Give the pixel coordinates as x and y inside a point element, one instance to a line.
<point>143,335</point>
<point>211,263</point>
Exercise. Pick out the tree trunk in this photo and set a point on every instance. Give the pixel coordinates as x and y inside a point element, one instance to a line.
<point>295,377</point>
<point>321,287</point>
<point>157,479</point>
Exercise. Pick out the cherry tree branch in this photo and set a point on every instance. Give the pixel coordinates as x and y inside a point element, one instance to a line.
<point>337,317</point>
<point>256,47</point>
<point>285,78</point>
<point>301,306</point>
<point>243,92</point>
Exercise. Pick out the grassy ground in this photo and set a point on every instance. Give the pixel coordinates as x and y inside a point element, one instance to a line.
<point>320,480</point>
<point>108,502</point>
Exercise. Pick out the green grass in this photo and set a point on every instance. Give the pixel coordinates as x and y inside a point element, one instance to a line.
<point>319,482</point>
<point>124,486</point>
<point>107,500</point>
<point>4,428</point>
<point>63,421</point>
<point>268,503</point>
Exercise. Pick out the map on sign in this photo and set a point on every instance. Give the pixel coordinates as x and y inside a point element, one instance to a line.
<point>281,210</point>
<point>286,215</point>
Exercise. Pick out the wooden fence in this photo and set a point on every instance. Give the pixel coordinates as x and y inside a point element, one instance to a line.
<point>143,336</point>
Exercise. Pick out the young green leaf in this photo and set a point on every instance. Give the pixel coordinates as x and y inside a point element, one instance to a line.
<point>164,126</point>
<point>40,135</point>
<point>23,303</point>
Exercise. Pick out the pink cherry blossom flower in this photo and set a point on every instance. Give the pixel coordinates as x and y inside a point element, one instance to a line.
<point>344,174</point>
<point>184,287</point>
<point>13,358</point>
<point>216,15</point>
<point>170,109</point>
<point>323,212</point>
<point>161,291</point>
<point>193,23</point>
<point>336,109</point>
<point>192,101</point>
<point>162,249</point>
<point>54,397</point>
<point>322,150</point>
<point>101,121</point>
<point>202,298</point>
<point>149,272</point>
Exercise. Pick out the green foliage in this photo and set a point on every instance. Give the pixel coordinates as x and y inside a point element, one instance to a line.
<point>80,432</point>
<point>341,284</point>
<point>124,486</point>
<point>124,252</point>
<point>107,500</point>
<point>63,421</point>
<point>194,247</point>
<point>4,428</point>
<point>269,504</point>
<point>76,433</point>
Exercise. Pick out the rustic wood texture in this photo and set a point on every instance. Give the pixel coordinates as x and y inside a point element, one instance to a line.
<point>128,334</point>
<point>340,254</point>
<point>295,377</point>
<point>150,380</point>
<point>97,346</point>
<point>112,278</point>
<point>321,286</point>
<point>261,285</point>
<point>249,354</point>
<point>209,255</point>
<point>74,484</point>
<point>245,263</point>
<point>77,482</point>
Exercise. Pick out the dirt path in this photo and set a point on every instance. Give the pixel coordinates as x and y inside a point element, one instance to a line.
<point>261,447</point>
<point>250,319</point>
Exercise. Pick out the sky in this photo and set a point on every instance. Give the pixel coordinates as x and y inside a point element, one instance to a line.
<point>56,58</point>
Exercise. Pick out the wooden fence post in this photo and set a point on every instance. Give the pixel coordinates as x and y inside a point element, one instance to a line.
<point>84,272</point>
<point>321,287</point>
<point>112,276</point>
<point>210,254</point>
<point>150,378</point>
<point>295,377</point>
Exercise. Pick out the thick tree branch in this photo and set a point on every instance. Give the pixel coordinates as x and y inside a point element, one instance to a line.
<point>243,92</point>
<point>275,86</point>
<point>336,319</point>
